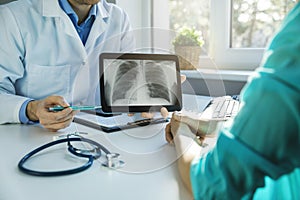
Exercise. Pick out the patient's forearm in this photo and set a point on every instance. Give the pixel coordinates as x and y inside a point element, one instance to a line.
<point>187,149</point>
<point>184,163</point>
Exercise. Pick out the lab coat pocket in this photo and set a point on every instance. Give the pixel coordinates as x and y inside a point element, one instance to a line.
<point>44,81</point>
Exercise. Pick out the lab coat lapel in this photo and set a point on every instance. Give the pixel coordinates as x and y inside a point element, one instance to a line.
<point>93,48</point>
<point>50,8</point>
<point>69,29</point>
<point>98,28</point>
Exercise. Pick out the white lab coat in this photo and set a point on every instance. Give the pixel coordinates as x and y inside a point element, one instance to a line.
<point>41,53</point>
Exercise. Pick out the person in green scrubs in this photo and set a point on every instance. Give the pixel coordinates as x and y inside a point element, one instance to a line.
<point>258,155</point>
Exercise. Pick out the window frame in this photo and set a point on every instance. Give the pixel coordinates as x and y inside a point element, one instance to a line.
<point>220,56</point>
<point>222,53</point>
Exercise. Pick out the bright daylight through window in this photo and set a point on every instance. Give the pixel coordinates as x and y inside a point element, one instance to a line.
<point>247,24</point>
<point>190,14</point>
<point>255,21</point>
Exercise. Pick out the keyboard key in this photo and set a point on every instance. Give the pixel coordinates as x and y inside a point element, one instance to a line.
<point>230,108</point>
<point>223,109</point>
<point>236,108</point>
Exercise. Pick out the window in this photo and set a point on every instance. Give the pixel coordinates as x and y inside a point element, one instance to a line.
<point>254,22</point>
<point>235,31</point>
<point>193,14</point>
<point>241,30</point>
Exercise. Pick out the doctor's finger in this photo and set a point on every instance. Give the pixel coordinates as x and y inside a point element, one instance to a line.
<point>50,120</point>
<point>60,115</point>
<point>55,124</point>
<point>182,78</point>
<point>59,125</point>
<point>164,112</point>
<point>54,101</point>
<point>147,115</point>
<point>57,99</point>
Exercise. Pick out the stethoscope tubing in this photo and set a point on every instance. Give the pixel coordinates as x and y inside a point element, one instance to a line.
<point>71,149</point>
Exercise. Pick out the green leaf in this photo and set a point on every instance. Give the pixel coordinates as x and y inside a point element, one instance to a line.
<point>188,37</point>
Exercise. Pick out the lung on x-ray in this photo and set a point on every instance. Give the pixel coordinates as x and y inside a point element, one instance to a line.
<point>139,82</point>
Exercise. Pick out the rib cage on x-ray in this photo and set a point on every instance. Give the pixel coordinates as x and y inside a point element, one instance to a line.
<point>125,79</point>
<point>132,76</point>
<point>156,81</point>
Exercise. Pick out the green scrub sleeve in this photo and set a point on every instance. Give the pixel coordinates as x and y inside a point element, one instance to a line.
<point>257,156</point>
<point>263,141</point>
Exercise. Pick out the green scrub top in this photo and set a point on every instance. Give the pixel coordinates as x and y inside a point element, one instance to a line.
<point>258,155</point>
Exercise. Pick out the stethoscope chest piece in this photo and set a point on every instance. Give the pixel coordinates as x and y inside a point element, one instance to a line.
<point>113,161</point>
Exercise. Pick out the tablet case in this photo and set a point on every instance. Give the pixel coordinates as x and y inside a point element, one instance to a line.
<point>132,82</point>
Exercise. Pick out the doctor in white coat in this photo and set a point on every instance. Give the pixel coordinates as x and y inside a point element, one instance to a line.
<point>45,61</point>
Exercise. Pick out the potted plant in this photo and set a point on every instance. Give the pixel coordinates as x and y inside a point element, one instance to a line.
<point>187,45</point>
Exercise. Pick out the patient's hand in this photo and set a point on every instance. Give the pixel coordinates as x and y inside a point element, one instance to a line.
<point>197,125</point>
<point>178,133</point>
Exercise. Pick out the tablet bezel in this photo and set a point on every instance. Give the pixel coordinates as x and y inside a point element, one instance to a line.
<point>139,56</point>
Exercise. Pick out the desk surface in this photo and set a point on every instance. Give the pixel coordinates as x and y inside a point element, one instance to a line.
<point>150,171</point>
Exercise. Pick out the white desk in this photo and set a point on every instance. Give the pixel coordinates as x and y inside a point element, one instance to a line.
<point>150,171</point>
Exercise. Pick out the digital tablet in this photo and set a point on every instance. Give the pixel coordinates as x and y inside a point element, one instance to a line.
<point>132,82</point>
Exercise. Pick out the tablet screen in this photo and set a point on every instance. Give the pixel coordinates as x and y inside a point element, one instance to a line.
<point>139,82</point>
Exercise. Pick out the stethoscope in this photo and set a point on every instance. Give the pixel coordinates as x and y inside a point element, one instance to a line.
<point>112,159</point>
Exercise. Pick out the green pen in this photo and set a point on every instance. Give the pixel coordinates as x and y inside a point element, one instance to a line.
<point>60,108</point>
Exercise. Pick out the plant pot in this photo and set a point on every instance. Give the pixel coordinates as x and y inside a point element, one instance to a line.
<point>188,57</point>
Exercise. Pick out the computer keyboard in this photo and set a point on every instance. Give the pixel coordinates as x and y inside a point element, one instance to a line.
<point>222,108</point>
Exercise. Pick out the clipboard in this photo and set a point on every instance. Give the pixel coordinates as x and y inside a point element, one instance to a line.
<point>100,123</point>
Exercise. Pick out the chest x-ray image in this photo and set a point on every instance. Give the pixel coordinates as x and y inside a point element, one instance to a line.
<point>131,82</point>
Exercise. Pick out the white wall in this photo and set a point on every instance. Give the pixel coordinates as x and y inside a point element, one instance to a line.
<point>139,12</point>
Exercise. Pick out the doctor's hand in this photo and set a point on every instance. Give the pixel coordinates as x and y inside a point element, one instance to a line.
<point>38,110</point>
<point>163,111</point>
